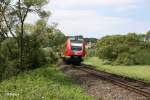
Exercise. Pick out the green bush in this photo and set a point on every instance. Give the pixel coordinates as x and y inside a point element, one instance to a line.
<point>9,49</point>
<point>50,55</point>
<point>8,58</point>
<point>33,56</point>
<point>11,68</point>
<point>143,57</point>
<point>125,58</point>
<point>34,59</point>
<point>128,49</point>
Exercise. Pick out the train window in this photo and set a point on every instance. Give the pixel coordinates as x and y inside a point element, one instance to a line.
<point>76,48</point>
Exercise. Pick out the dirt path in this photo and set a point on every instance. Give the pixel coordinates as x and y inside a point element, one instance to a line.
<point>97,88</point>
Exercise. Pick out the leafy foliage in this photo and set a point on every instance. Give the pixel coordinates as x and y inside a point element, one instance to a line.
<point>34,54</point>
<point>124,49</point>
<point>21,44</point>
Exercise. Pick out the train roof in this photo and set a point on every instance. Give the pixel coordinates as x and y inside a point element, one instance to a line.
<point>75,37</point>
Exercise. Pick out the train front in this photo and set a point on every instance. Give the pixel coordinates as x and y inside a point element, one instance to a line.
<point>75,49</point>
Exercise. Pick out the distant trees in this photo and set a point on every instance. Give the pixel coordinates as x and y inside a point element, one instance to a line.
<point>124,49</point>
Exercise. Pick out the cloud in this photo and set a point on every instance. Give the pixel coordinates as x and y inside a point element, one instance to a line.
<point>110,3</point>
<point>90,23</point>
<point>93,22</point>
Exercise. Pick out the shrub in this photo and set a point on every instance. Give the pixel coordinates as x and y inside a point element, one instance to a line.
<point>124,49</point>
<point>143,57</point>
<point>11,69</point>
<point>34,60</point>
<point>50,55</point>
<point>8,58</point>
<point>125,58</point>
<point>33,56</point>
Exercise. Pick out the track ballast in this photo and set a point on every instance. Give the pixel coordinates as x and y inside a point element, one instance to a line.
<point>136,86</point>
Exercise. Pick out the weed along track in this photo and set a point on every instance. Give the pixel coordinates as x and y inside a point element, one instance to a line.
<point>127,83</point>
<point>97,85</point>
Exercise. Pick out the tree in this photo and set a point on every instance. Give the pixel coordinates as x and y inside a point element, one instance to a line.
<point>48,35</point>
<point>15,15</point>
<point>124,49</point>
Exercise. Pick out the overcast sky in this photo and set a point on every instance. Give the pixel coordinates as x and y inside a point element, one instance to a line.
<point>96,18</point>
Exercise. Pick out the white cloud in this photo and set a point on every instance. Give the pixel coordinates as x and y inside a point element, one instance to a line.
<point>92,22</point>
<point>89,23</point>
<point>112,3</point>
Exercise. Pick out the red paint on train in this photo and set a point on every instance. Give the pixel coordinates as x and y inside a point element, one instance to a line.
<point>68,49</point>
<point>75,49</point>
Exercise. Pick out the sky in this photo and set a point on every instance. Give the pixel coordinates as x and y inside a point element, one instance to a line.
<point>97,18</point>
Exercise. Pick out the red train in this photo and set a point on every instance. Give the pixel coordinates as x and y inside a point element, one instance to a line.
<point>74,49</point>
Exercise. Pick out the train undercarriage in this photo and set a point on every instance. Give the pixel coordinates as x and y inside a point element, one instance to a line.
<point>75,60</point>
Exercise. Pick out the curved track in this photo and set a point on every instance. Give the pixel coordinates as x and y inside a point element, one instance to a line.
<point>139,87</point>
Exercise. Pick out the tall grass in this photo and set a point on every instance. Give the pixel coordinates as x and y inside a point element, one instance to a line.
<point>46,83</point>
<point>141,72</point>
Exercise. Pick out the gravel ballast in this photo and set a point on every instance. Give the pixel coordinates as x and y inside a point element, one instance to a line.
<point>99,89</point>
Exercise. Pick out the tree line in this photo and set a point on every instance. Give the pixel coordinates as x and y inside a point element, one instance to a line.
<point>26,46</point>
<point>130,49</point>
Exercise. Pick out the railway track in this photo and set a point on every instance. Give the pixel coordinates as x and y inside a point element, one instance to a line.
<point>136,86</point>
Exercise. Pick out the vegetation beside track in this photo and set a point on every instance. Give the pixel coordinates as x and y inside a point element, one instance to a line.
<point>140,72</point>
<point>42,83</point>
<point>130,49</point>
<point>25,46</point>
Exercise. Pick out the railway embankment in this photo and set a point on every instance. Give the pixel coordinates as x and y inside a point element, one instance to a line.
<point>97,87</point>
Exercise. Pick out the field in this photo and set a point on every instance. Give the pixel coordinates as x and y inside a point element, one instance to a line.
<point>140,72</point>
<point>47,83</point>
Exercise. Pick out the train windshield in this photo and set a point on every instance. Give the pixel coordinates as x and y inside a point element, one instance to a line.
<point>76,48</point>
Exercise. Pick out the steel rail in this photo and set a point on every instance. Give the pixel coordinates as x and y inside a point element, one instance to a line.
<point>121,81</point>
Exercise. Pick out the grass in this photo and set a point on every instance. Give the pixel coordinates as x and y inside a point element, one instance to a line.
<point>46,83</point>
<point>140,72</point>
